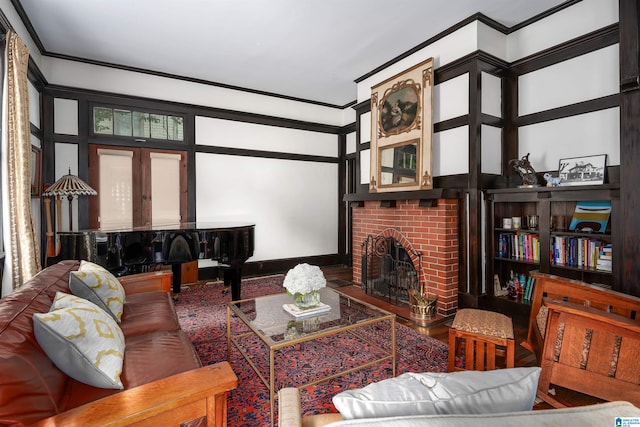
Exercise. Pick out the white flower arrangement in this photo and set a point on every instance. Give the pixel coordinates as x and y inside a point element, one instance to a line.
<point>304,278</point>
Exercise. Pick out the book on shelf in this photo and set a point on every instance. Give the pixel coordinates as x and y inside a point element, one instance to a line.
<point>296,311</point>
<point>580,252</point>
<point>605,259</point>
<point>520,246</point>
<point>530,285</point>
<point>591,216</point>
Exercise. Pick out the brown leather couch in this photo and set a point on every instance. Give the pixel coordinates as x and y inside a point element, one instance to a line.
<point>164,381</point>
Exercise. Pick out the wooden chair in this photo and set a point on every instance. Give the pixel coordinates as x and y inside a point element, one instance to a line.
<point>586,338</point>
<point>486,335</point>
<point>573,291</point>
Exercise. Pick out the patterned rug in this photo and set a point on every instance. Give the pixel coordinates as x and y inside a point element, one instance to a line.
<point>203,316</point>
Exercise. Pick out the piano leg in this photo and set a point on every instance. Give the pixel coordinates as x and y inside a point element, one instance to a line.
<point>176,269</point>
<point>233,278</point>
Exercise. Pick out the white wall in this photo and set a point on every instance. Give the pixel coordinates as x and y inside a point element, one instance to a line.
<point>232,134</point>
<point>584,78</point>
<point>95,77</point>
<point>294,204</point>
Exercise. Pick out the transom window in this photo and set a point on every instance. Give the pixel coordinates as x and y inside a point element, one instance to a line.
<point>137,124</point>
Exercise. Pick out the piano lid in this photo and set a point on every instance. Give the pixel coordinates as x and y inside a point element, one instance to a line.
<point>198,225</point>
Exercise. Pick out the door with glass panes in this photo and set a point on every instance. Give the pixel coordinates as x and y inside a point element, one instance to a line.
<point>137,187</point>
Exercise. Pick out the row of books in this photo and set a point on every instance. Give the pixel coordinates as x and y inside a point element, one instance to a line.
<point>526,285</point>
<point>604,258</point>
<point>518,287</point>
<point>521,246</point>
<point>581,252</point>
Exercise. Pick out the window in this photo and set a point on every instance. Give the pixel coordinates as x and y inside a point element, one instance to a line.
<point>137,124</point>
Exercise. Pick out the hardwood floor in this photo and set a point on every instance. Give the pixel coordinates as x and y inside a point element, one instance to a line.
<point>341,278</point>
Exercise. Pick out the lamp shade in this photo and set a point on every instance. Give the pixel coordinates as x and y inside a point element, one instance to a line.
<point>69,185</point>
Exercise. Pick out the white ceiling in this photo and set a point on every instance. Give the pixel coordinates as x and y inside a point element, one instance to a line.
<point>308,49</point>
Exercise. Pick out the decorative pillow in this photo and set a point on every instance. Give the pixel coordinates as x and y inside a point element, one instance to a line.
<point>465,392</point>
<point>82,340</point>
<point>96,284</point>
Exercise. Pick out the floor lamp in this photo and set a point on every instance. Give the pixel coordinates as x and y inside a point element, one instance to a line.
<point>68,186</point>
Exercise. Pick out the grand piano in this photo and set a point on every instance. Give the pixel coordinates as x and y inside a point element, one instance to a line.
<point>226,246</point>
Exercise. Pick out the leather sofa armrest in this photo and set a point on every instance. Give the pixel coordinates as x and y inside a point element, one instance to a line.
<point>145,282</point>
<point>169,401</point>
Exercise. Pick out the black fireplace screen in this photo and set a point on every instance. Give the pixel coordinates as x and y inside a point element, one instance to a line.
<point>387,270</point>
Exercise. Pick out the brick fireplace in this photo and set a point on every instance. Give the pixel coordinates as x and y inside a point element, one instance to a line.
<point>429,231</point>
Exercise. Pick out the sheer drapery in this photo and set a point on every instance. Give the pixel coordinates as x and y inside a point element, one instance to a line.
<point>22,255</point>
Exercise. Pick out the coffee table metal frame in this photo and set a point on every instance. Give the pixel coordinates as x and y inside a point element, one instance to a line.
<point>377,315</point>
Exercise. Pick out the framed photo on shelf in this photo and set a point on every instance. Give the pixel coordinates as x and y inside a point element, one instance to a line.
<point>588,170</point>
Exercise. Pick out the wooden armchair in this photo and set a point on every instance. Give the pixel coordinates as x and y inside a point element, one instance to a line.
<point>586,338</point>
<point>168,402</point>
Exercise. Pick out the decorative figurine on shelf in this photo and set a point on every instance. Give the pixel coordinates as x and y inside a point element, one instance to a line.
<point>525,170</point>
<point>552,181</point>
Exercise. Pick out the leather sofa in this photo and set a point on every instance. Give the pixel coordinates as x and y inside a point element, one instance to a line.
<point>164,381</point>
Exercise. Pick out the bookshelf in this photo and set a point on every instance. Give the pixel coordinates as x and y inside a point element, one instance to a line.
<point>550,246</point>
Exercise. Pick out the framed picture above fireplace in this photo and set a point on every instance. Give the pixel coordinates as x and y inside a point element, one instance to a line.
<point>402,131</point>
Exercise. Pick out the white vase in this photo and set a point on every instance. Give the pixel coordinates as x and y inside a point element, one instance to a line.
<point>310,299</point>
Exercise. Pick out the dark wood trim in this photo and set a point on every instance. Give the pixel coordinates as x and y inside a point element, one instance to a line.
<point>35,131</point>
<point>342,190</point>
<point>190,135</point>
<point>476,17</point>
<point>5,25</point>
<point>584,44</point>
<point>264,154</point>
<point>192,80</point>
<point>510,134</point>
<point>449,124</point>
<point>584,107</point>
<point>489,120</point>
<point>35,76</point>
<point>486,62</point>
<point>434,194</point>
<point>347,129</point>
<point>27,23</point>
<point>361,108</point>
<point>543,15</point>
<point>116,100</point>
<point>628,228</point>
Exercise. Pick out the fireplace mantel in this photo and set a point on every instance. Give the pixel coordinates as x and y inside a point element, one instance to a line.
<point>426,197</point>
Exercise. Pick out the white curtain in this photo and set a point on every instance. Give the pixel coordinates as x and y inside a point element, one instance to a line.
<point>22,255</point>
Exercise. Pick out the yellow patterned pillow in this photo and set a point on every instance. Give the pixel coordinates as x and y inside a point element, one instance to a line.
<point>82,340</point>
<point>98,285</point>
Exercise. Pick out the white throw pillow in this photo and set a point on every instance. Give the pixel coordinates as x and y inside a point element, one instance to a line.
<point>82,340</point>
<point>96,284</point>
<point>465,392</point>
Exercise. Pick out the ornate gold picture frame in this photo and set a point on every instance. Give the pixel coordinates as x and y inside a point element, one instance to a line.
<point>402,131</point>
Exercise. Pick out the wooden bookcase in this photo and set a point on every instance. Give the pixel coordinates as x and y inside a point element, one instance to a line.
<point>554,207</point>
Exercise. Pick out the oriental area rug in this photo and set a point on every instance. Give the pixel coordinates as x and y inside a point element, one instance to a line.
<point>203,316</point>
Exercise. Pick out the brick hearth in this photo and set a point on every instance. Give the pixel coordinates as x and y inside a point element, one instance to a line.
<point>432,231</point>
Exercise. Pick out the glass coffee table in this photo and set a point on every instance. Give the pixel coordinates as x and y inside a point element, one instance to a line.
<point>266,327</point>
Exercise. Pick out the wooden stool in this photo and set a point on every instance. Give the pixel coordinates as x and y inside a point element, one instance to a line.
<point>481,332</point>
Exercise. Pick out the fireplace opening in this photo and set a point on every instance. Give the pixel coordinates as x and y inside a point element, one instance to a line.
<point>388,271</point>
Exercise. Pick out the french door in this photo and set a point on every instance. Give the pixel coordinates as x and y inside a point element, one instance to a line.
<point>137,187</point>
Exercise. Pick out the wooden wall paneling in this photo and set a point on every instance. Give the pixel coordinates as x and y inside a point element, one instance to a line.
<point>628,274</point>
<point>362,108</point>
